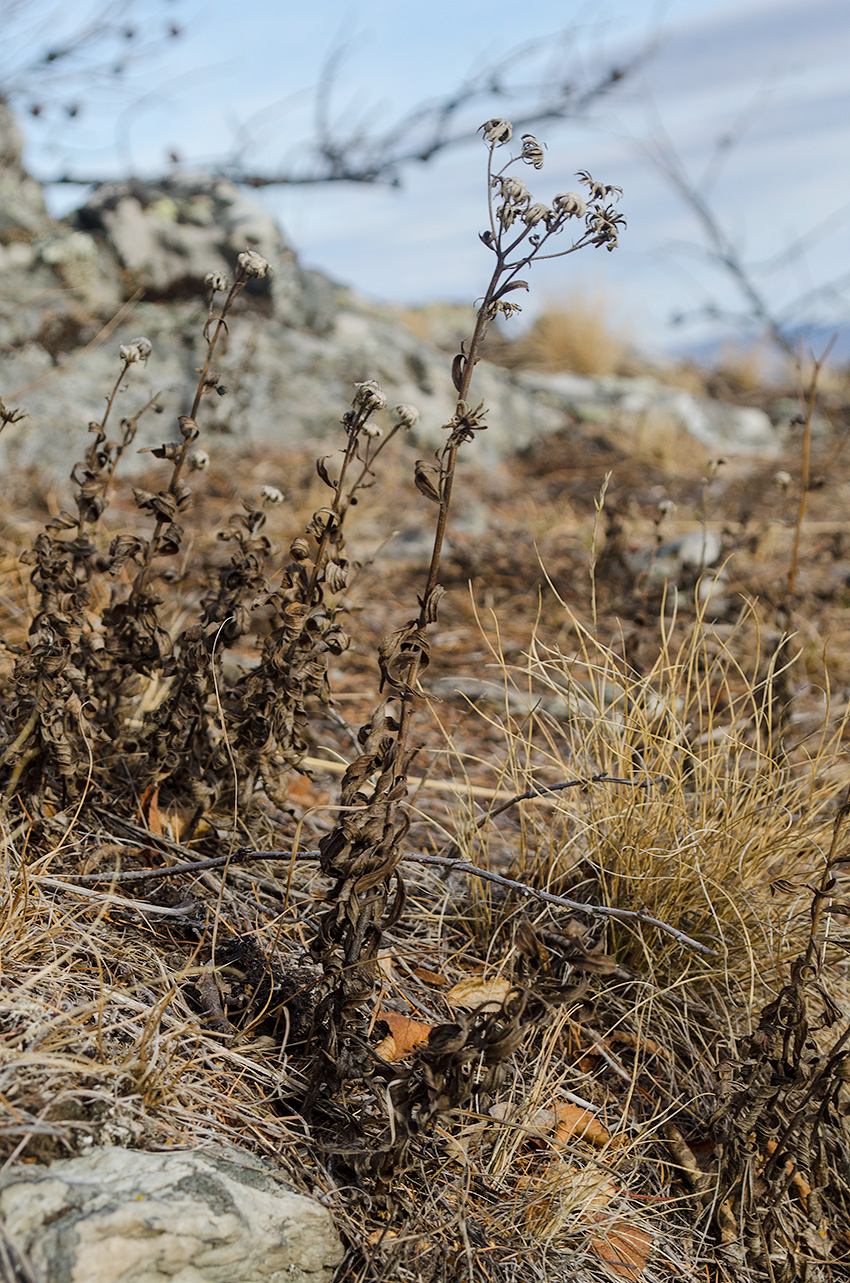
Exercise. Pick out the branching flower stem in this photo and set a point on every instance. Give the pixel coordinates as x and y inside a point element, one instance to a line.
<point>233,293</point>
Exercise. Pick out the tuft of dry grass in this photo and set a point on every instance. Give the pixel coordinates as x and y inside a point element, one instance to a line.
<point>585,334</point>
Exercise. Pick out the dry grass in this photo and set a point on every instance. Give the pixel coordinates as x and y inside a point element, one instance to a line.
<point>584,335</point>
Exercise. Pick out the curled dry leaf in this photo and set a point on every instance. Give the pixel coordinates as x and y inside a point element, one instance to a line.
<point>404,1035</point>
<point>478,992</point>
<point>624,1248</point>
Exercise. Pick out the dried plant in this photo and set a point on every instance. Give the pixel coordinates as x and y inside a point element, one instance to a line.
<point>362,852</point>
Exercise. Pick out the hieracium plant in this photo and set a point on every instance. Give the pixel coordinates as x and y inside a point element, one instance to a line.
<point>362,853</point>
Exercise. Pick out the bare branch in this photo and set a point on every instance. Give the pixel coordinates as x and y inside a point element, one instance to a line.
<point>347,151</point>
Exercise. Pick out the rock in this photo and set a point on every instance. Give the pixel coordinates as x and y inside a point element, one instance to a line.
<point>726,429</point>
<point>694,551</point>
<point>124,1216</point>
<point>166,236</point>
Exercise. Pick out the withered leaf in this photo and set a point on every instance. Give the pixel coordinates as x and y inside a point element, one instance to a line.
<point>575,1123</point>
<point>624,1248</point>
<point>322,470</point>
<point>422,474</point>
<point>458,367</point>
<point>477,992</point>
<point>404,1034</point>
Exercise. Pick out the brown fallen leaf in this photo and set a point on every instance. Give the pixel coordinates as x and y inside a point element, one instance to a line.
<point>623,1248</point>
<point>478,992</point>
<point>573,1122</point>
<point>404,1035</point>
<point>429,977</point>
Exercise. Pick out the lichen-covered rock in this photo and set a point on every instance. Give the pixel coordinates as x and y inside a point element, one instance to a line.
<point>124,1216</point>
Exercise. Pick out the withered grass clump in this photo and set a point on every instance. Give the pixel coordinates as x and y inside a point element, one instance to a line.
<point>554,984</point>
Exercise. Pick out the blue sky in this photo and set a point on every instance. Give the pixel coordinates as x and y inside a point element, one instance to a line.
<point>775,72</point>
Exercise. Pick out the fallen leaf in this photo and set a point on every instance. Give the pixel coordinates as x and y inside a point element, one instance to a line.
<point>154,817</point>
<point>385,963</point>
<point>580,1124</point>
<point>478,992</point>
<point>623,1248</point>
<point>404,1035</point>
<point>429,977</point>
<point>379,1236</point>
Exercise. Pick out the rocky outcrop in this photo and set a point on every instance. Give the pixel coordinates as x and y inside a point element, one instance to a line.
<point>131,262</point>
<point>122,1216</point>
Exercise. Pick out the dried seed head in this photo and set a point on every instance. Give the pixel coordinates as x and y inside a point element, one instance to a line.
<point>515,191</point>
<point>666,506</point>
<point>271,494</point>
<point>138,350</point>
<point>252,264</point>
<point>368,395</point>
<point>372,430</point>
<point>571,204</point>
<point>216,281</point>
<point>532,151</point>
<point>407,415</point>
<point>199,460</point>
<point>497,132</point>
<point>535,214</point>
<point>783,480</point>
<point>598,191</point>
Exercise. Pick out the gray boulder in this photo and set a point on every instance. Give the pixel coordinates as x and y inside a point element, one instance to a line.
<point>722,428</point>
<point>122,1216</point>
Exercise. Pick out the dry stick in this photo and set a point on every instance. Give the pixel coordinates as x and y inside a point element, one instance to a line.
<point>448,863</point>
<point>567,784</point>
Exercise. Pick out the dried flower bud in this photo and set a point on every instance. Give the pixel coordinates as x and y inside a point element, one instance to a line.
<point>532,151</point>
<point>407,415</point>
<point>252,264</point>
<point>535,214</point>
<point>666,506</point>
<point>571,204</point>
<point>783,480</point>
<point>368,395</point>
<point>271,494</point>
<point>216,281</point>
<point>299,549</point>
<point>144,348</point>
<point>199,460</point>
<point>497,132</point>
<point>372,430</point>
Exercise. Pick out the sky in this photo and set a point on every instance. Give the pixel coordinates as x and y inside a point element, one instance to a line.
<point>772,75</point>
